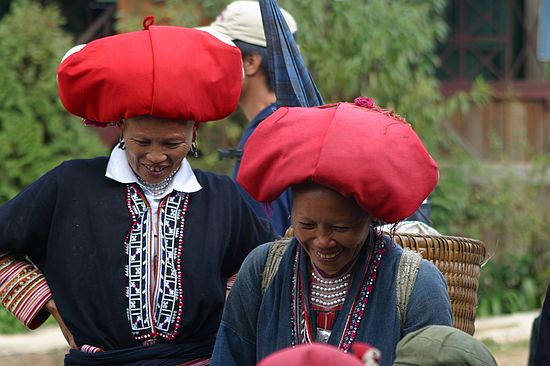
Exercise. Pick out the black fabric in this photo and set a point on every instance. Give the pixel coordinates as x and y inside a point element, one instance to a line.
<point>533,340</point>
<point>72,224</point>
<point>155,355</point>
<point>542,349</point>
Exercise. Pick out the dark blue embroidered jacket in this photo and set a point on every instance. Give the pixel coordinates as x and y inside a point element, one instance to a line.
<point>74,223</point>
<point>254,326</point>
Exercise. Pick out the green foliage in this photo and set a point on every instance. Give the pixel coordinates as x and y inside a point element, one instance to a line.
<point>35,132</point>
<point>509,286</point>
<point>9,324</point>
<point>381,49</point>
<point>501,204</point>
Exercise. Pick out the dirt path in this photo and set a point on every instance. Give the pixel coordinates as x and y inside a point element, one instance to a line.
<point>52,358</point>
<point>507,337</point>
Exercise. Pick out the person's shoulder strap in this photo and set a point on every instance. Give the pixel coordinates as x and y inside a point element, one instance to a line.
<point>405,280</point>
<point>273,259</point>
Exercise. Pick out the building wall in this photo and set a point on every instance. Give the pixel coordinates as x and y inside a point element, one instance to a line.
<point>510,129</point>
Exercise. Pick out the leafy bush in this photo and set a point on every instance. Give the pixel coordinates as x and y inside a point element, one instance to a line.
<point>36,133</point>
<point>509,286</point>
<point>504,205</point>
<point>9,324</point>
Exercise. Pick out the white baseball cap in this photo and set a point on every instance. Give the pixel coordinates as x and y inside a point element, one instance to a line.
<point>242,20</point>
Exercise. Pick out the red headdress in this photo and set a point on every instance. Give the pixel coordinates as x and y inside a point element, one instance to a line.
<point>162,71</point>
<point>358,150</point>
<point>311,354</point>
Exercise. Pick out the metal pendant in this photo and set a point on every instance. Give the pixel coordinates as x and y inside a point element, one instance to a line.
<point>323,335</point>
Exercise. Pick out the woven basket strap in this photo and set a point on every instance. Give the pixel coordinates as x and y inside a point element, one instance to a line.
<point>272,261</point>
<point>406,277</point>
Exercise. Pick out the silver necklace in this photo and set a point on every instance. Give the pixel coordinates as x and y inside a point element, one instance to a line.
<point>329,293</point>
<point>157,189</point>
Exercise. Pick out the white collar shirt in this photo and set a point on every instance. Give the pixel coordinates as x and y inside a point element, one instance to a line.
<point>119,170</point>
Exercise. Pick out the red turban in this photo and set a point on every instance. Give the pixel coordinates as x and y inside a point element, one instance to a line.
<point>310,354</point>
<point>162,71</point>
<point>363,152</point>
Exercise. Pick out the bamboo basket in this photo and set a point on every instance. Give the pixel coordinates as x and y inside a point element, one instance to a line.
<point>459,259</point>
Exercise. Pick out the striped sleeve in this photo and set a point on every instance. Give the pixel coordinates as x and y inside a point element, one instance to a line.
<point>23,290</point>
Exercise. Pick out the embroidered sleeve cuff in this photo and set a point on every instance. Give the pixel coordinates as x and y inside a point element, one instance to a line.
<point>23,291</point>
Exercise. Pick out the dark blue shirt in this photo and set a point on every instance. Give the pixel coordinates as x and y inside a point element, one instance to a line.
<point>278,211</point>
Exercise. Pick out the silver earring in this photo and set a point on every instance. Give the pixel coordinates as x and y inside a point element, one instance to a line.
<point>121,143</point>
<point>194,149</point>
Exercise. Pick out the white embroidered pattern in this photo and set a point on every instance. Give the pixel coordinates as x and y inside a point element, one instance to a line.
<point>155,304</point>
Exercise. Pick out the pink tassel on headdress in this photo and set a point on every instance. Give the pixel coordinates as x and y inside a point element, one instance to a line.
<point>364,102</point>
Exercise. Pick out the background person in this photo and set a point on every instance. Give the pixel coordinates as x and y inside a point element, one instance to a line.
<point>241,21</point>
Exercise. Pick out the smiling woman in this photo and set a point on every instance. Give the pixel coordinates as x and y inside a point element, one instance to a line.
<point>131,253</point>
<point>331,228</point>
<point>156,147</point>
<point>338,280</point>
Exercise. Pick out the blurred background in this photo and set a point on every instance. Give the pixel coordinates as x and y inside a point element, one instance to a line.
<point>471,76</point>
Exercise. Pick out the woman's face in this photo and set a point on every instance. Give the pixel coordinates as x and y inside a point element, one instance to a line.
<point>331,228</point>
<point>155,147</point>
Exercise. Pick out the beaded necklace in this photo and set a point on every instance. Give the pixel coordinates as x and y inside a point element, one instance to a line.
<point>157,189</point>
<point>327,295</point>
<point>328,292</point>
<point>299,314</point>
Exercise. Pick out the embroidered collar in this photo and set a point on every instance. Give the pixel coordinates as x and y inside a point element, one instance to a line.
<point>120,171</point>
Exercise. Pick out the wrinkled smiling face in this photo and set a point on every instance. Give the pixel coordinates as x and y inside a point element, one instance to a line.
<point>331,228</point>
<point>155,147</point>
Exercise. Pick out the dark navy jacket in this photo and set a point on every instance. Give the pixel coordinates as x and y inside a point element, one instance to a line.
<point>277,212</point>
<point>74,224</point>
<point>255,325</point>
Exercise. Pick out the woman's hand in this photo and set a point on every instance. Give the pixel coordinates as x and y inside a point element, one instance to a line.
<point>52,309</point>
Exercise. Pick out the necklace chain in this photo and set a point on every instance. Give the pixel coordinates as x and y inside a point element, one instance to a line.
<point>157,189</point>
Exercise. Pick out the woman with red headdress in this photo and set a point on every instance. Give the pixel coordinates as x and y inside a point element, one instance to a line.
<point>339,279</point>
<point>136,248</point>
